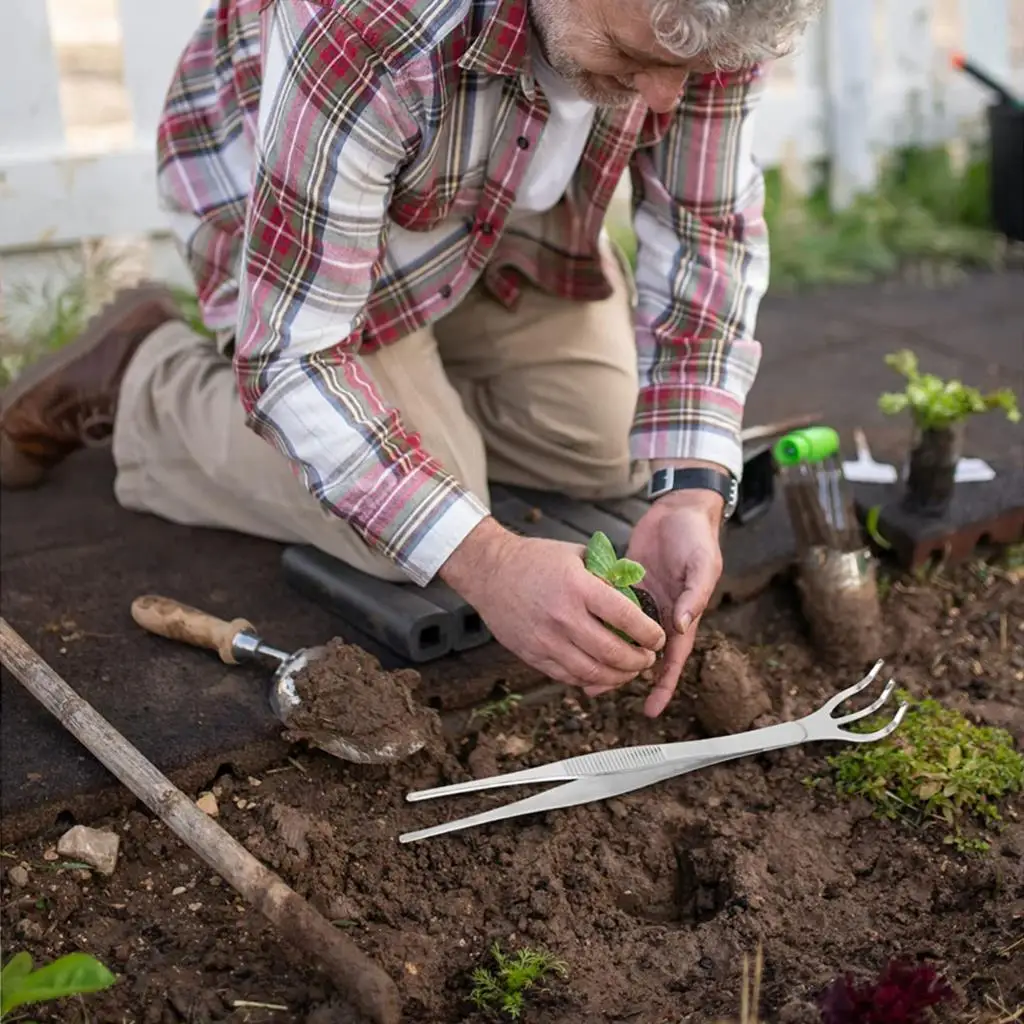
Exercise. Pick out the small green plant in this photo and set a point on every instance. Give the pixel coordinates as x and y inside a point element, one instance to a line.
<point>936,767</point>
<point>503,989</point>
<point>621,573</point>
<point>498,708</point>
<point>936,404</point>
<point>71,975</point>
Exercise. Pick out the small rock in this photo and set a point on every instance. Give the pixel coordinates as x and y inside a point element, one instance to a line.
<point>50,854</point>
<point>29,929</point>
<point>18,876</point>
<point>207,803</point>
<point>97,847</point>
<point>799,1012</point>
<point>516,746</point>
<point>195,907</point>
<point>178,890</point>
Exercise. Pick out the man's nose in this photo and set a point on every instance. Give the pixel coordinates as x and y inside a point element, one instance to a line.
<point>660,89</point>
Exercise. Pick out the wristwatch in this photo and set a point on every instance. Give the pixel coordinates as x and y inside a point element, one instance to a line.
<point>664,481</point>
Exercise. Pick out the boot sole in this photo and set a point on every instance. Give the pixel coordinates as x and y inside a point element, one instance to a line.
<point>96,329</point>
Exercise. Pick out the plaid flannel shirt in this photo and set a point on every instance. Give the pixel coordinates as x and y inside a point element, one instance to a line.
<point>339,173</point>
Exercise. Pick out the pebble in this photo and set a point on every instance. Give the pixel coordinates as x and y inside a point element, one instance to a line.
<point>96,847</point>
<point>207,803</point>
<point>178,890</point>
<point>18,876</point>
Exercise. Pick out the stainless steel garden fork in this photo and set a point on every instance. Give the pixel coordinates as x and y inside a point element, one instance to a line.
<point>615,772</point>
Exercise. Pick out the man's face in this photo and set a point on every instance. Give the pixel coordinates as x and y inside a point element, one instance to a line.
<point>607,50</point>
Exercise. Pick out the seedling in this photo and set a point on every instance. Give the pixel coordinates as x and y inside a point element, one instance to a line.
<point>938,767</point>
<point>504,989</point>
<point>71,975</point>
<point>621,573</point>
<point>935,404</point>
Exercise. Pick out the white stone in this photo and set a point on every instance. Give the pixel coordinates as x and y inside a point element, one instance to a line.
<point>96,847</point>
<point>207,803</point>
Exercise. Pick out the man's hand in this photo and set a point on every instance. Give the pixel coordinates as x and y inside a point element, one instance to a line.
<point>677,542</point>
<point>540,602</point>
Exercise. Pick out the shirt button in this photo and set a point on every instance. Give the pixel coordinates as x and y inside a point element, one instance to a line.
<point>523,142</point>
<point>446,291</point>
<point>486,229</point>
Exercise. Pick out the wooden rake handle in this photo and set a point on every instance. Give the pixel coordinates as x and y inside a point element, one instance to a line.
<point>354,974</point>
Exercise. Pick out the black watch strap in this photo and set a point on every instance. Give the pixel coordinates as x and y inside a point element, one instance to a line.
<point>664,481</point>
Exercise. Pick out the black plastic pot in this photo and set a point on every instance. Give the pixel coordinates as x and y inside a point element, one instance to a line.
<point>931,473</point>
<point>1006,153</point>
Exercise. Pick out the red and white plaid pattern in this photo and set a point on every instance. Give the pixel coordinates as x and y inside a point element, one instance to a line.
<point>340,174</point>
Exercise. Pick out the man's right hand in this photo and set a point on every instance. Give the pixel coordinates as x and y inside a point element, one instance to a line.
<point>540,602</point>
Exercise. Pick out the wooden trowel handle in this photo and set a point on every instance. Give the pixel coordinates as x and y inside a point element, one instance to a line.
<point>176,621</point>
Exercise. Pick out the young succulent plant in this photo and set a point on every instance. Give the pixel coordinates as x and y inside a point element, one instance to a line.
<point>621,573</point>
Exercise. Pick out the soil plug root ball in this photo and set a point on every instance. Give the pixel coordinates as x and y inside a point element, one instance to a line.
<point>730,696</point>
<point>839,599</point>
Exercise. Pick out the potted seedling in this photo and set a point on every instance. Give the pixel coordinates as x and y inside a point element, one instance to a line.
<point>939,412</point>
<point>621,573</point>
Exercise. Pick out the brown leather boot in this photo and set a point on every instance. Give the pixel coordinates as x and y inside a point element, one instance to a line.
<point>67,399</point>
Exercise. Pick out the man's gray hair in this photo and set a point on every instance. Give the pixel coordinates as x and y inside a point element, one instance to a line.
<point>732,33</point>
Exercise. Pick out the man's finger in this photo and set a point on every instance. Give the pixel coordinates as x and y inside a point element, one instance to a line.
<point>676,652</point>
<point>702,575</point>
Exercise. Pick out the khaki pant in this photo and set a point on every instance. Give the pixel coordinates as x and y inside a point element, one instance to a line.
<point>542,396</point>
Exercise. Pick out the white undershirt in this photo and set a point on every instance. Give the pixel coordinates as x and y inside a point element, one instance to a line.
<point>561,143</point>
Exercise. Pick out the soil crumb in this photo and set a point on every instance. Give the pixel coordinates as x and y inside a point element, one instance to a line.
<point>730,694</point>
<point>347,693</point>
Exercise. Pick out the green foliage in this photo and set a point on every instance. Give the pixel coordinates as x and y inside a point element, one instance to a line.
<point>71,975</point>
<point>936,767</point>
<point>935,404</point>
<point>503,990</point>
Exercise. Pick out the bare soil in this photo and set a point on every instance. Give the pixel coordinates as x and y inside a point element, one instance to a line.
<point>652,900</point>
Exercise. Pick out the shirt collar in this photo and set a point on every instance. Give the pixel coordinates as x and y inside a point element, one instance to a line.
<point>502,48</point>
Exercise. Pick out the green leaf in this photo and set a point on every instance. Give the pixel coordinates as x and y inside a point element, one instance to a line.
<point>74,974</point>
<point>891,403</point>
<point>600,556</point>
<point>17,967</point>
<point>625,573</point>
<point>871,525</point>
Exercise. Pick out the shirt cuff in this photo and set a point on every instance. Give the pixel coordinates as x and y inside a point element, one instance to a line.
<point>692,423</point>
<point>421,559</point>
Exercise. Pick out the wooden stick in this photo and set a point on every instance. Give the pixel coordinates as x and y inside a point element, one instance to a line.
<point>354,974</point>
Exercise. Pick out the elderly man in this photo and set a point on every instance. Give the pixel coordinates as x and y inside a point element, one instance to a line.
<point>393,213</point>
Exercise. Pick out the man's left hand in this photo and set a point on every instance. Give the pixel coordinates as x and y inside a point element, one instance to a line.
<point>677,542</point>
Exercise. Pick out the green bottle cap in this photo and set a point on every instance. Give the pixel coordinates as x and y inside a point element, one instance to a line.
<point>811,445</point>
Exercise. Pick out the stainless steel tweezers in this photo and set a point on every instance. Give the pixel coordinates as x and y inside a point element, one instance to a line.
<point>615,772</point>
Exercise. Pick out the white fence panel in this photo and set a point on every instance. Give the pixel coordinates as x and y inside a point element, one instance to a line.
<point>871,75</point>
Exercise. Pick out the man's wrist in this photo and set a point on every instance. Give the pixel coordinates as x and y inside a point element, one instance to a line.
<point>700,498</point>
<point>477,556</point>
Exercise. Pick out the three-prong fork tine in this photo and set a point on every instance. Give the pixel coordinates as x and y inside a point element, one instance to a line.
<point>826,711</point>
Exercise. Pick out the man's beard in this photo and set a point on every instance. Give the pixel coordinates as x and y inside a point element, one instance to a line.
<point>551,20</point>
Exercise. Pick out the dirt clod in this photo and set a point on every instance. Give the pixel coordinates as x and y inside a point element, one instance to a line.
<point>730,694</point>
<point>346,693</point>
